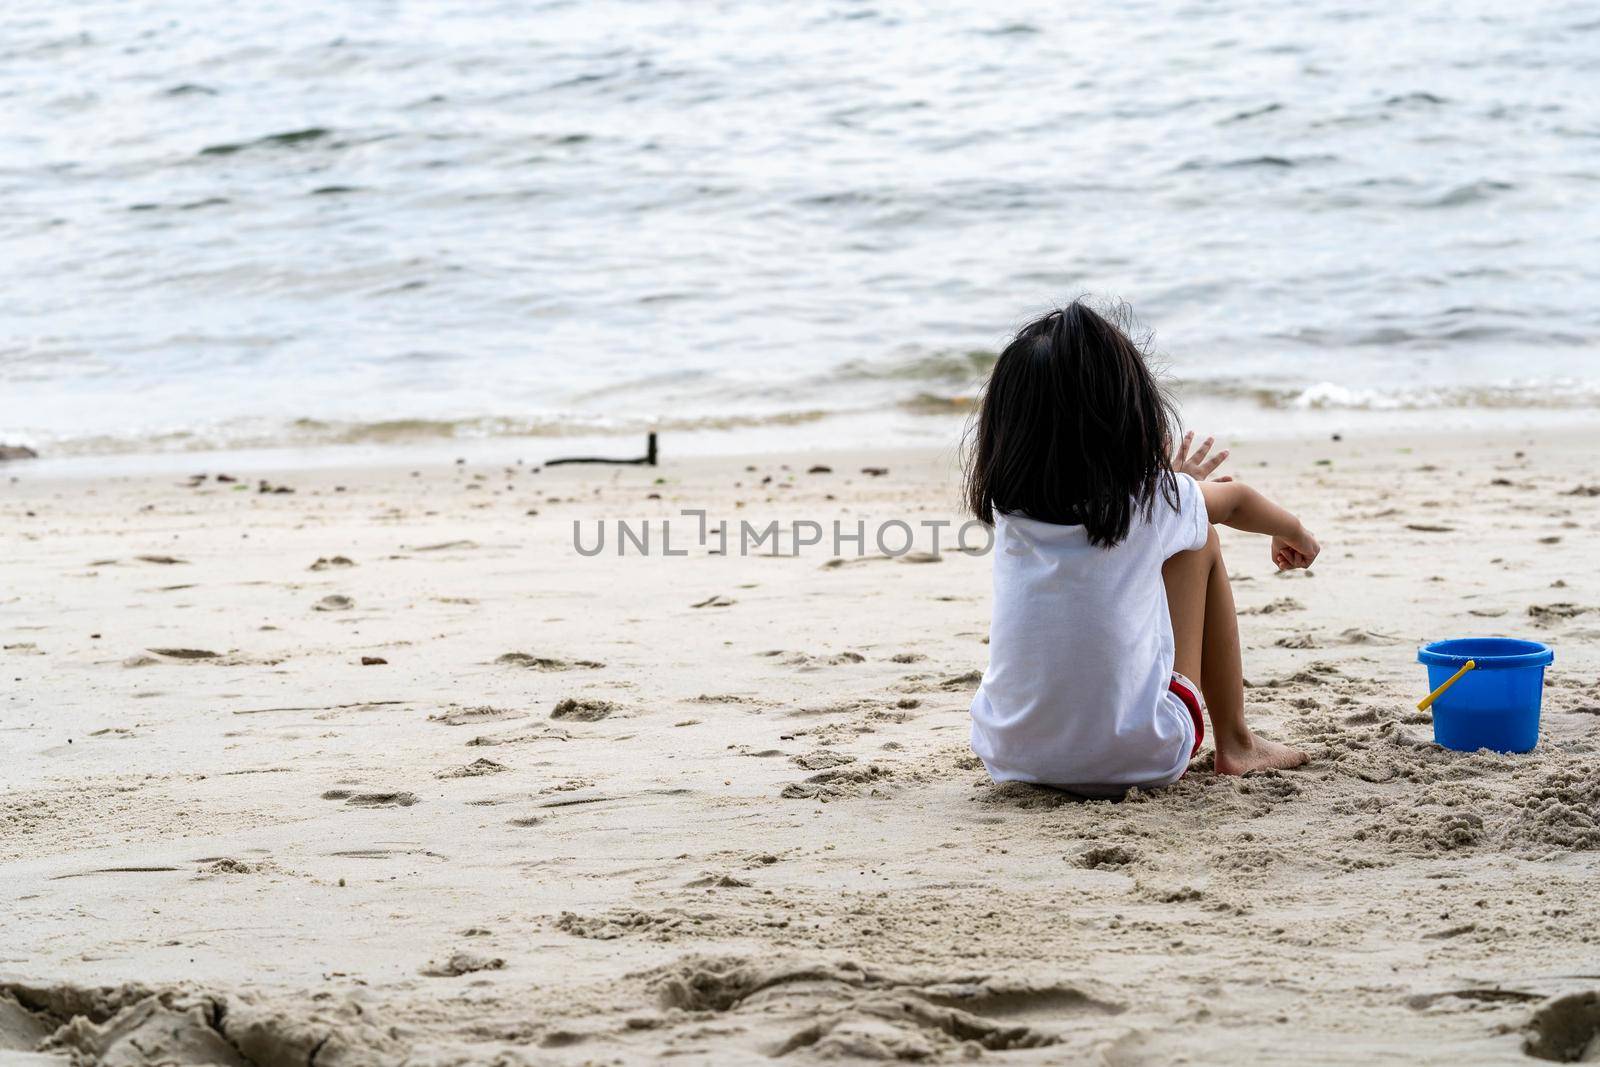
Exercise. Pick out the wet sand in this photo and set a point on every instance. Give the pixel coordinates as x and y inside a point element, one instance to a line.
<point>721,807</point>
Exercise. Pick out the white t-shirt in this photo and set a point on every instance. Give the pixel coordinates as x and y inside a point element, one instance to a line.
<point>1080,654</point>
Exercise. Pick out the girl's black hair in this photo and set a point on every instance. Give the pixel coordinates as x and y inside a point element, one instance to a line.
<point>1073,428</point>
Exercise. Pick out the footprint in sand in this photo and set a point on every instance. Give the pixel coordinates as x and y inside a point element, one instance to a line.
<point>1274,607</point>
<point>546,663</point>
<point>460,963</point>
<point>807,662</point>
<point>122,1027</point>
<point>630,922</point>
<point>114,870</point>
<point>476,769</point>
<point>838,783</point>
<point>722,698</point>
<point>538,733</point>
<point>717,881</point>
<point>843,1009</point>
<point>470,716</point>
<point>328,563</point>
<point>372,800</point>
<point>383,853</point>
<point>1106,857</point>
<point>229,865</point>
<point>334,603</point>
<point>1305,640</point>
<point>821,759</point>
<point>577,710</point>
<point>1470,998</point>
<point>968,680</point>
<point>1355,635</point>
<point>1566,1030</point>
<point>1024,796</point>
<point>1549,614</point>
<point>445,546</point>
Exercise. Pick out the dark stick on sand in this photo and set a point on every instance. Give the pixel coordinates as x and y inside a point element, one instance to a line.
<point>646,460</point>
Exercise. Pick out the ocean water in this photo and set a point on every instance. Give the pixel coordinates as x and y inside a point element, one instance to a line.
<point>391,221</point>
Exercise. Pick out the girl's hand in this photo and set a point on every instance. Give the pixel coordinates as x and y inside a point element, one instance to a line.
<point>1197,466</point>
<point>1298,551</point>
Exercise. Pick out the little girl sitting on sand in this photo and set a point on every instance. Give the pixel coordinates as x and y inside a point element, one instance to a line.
<point>1114,626</point>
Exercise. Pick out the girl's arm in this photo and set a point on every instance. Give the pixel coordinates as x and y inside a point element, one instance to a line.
<point>1241,507</point>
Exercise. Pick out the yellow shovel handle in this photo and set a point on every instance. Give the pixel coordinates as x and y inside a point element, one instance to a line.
<point>1423,704</point>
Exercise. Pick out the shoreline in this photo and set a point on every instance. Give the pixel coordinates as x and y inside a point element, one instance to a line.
<point>718,806</point>
<point>851,431</point>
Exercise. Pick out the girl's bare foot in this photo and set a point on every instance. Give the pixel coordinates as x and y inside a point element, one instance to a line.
<point>1253,753</point>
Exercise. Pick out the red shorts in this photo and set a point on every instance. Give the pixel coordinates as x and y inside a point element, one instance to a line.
<point>1189,693</point>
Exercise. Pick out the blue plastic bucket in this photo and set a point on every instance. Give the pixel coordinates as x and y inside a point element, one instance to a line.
<point>1496,704</point>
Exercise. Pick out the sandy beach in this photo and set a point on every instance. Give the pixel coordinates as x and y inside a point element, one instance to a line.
<point>382,770</point>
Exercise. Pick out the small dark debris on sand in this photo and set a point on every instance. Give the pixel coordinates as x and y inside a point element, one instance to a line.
<point>186,653</point>
<point>374,661</point>
<point>166,561</point>
<point>718,601</point>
